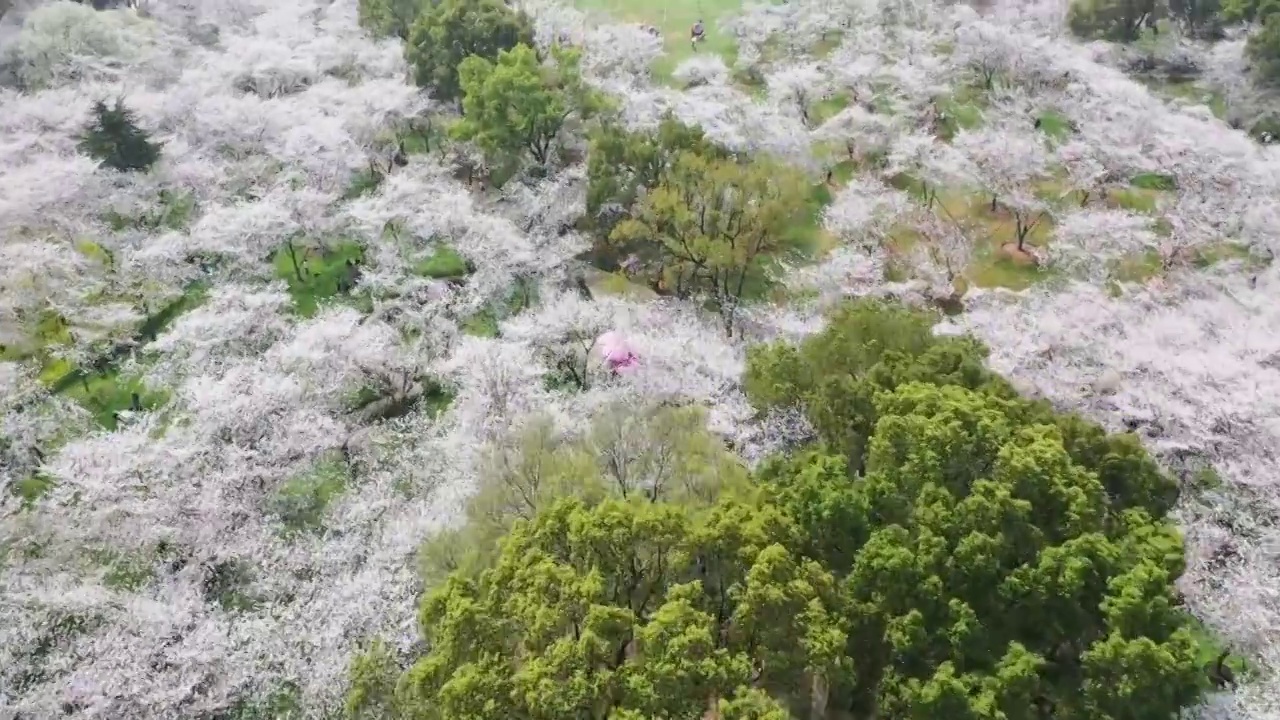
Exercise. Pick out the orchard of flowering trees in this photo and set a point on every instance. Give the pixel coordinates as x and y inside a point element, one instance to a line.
<point>390,359</point>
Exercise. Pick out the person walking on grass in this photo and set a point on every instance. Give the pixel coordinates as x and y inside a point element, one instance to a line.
<point>697,34</point>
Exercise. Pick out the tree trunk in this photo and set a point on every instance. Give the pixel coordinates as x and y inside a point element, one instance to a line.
<point>819,693</point>
<point>293,258</point>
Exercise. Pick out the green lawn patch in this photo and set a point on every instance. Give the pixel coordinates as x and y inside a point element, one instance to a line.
<point>316,274</point>
<point>107,394</point>
<point>675,18</point>
<point>101,388</point>
<point>989,231</point>
<point>1136,199</point>
<point>1136,268</point>
<point>1190,91</point>
<point>961,110</point>
<point>807,235</point>
<point>1211,255</point>
<point>1055,125</point>
<point>1154,181</point>
<point>301,501</point>
<point>31,488</point>
<point>617,284</point>
<point>523,294</point>
<point>444,264</point>
<point>364,182</point>
<point>1143,266</point>
<point>1209,646</point>
<point>828,107</point>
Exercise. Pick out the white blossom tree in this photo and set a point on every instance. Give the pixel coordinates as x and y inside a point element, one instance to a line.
<point>1087,240</point>
<point>1008,163</point>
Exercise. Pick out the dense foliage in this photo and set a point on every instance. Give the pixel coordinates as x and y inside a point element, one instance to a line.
<point>114,138</point>
<point>345,311</point>
<point>948,550</point>
<point>448,32</point>
<point>517,105</point>
<point>389,17</point>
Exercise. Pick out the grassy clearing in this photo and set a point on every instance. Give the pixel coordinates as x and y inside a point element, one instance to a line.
<point>364,182</point>
<point>675,18</point>
<point>1189,91</point>
<point>100,388</point>
<point>828,107</point>
<point>301,501</point>
<point>522,295</point>
<point>988,231</point>
<point>317,274</point>
<point>1209,646</point>
<point>1054,125</point>
<point>1144,266</point>
<point>445,263</point>
<point>961,110</point>
<point>808,236</point>
<point>617,284</point>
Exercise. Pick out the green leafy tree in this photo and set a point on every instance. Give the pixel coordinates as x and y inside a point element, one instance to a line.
<point>1263,49</point>
<point>1248,11</point>
<point>447,32</point>
<point>520,105</point>
<point>389,18</point>
<point>621,164</point>
<point>712,226</point>
<point>1202,18</point>
<point>1116,20</point>
<point>655,454</point>
<point>999,559</point>
<point>973,555</point>
<point>114,138</point>
<point>631,609</point>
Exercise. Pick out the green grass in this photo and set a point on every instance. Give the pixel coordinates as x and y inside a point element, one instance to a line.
<point>1209,646</point>
<point>675,18</point>
<point>363,183</point>
<point>1136,268</point>
<point>963,110</point>
<point>1141,267</point>
<point>443,264</point>
<point>109,393</point>
<point>522,295</point>
<point>806,234</point>
<point>1190,91</point>
<point>1055,125</point>
<point>829,107</point>
<point>101,388</point>
<point>121,571</point>
<point>317,275</point>
<point>31,488</point>
<point>988,231</point>
<point>1153,181</point>
<point>301,501</point>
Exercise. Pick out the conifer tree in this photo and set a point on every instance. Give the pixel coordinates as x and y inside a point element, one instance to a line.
<point>114,138</point>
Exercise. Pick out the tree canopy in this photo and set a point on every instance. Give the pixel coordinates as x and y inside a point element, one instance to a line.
<point>114,138</point>
<point>621,164</point>
<point>448,32</point>
<point>389,17</point>
<point>944,549</point>
<point>518,104</point>
<point>711,225</point>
